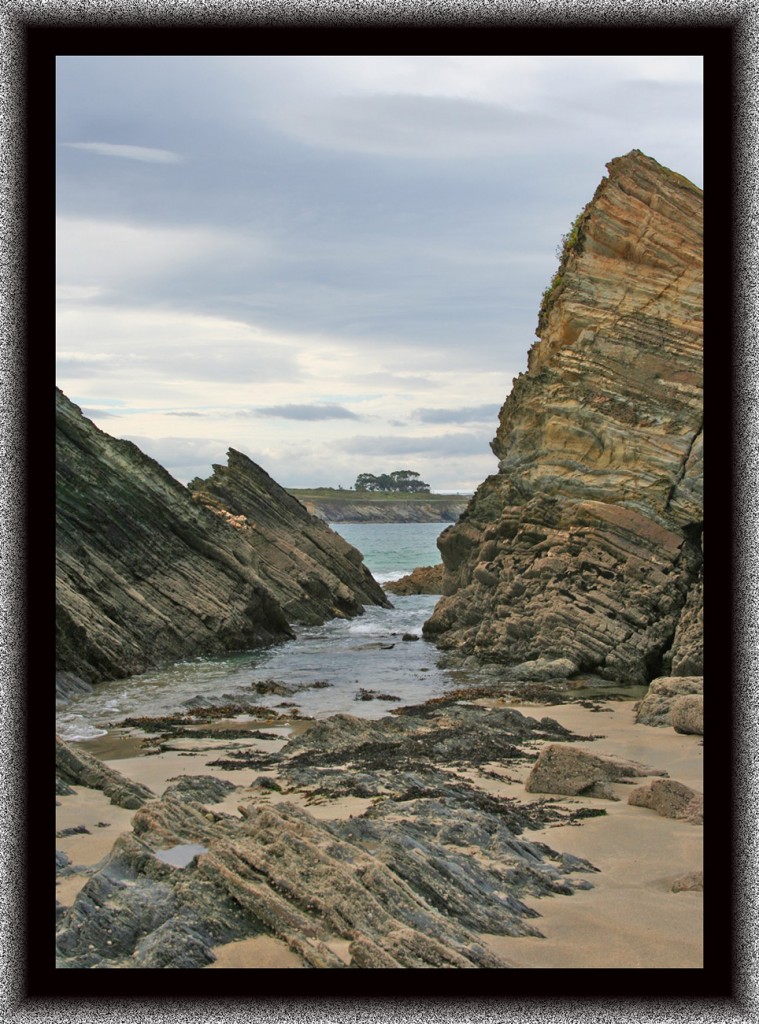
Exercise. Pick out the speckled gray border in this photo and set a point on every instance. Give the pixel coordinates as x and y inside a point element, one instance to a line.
<point>12,539</point>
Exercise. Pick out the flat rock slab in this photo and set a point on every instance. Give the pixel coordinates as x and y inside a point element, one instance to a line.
<point>570,771</point>
<point>78,768</point>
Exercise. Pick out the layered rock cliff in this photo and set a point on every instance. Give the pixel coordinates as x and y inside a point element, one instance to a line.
<point>148,571</point>
<point>314,572</point>
<point>436,509</point>
<point>585,550</point>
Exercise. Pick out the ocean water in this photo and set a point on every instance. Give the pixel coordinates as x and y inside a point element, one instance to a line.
<point>349,655</point>
<point>392,550</point>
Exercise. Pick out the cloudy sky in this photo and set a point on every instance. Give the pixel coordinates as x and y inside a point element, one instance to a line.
<point>333,264</point>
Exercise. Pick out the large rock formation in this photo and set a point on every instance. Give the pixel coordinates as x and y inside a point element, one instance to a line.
<point>313,571</point>
<point>148,572</point>
<point>587,544</point>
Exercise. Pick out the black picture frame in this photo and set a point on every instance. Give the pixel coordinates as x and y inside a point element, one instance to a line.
<point>635,994</point>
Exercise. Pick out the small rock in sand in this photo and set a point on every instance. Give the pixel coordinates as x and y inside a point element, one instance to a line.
<point>669,798</point>
<point>693,881</point>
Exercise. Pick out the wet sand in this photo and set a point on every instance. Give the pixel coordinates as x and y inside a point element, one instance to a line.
<point>629,919</point>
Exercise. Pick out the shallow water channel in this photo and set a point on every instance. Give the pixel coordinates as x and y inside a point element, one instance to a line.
<point>349,655</point>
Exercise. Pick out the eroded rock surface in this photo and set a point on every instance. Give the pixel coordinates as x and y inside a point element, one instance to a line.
<point>688,714</point>
<point>656,707</point>
<point>686,658</point>
<point>431,863</point>
<point>561,768</point>
<point>313,571</point>
<point>146,574</point>
<point>587,544</point>
<point>671,799</point>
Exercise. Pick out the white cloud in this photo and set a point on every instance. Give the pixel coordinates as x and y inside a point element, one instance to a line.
<point>433,445</point>
<point>76,292</point>
<point>441,106</point>
<point>111,254</point>
<point>427,127</point>
<point>318,411</point>
<point>145,154</point>
<point>466,414</point>
<point>170,357</point>
<point>298,462</point>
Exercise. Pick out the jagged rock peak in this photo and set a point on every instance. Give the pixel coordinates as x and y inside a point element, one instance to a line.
<point>148,572</point>
<point>257,481</point>
<point>642,218</point>
<point>316,573</point>
<point>586,544</point>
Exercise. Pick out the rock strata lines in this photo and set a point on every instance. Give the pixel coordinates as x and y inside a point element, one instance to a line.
<point>587,543</point>
<point>148,572</point>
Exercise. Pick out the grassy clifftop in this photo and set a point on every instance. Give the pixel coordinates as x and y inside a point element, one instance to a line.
<point>372,497</point>
<point>336,506</point>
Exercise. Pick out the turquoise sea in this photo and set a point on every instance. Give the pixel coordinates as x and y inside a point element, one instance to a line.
<point>349,655</point>
<point>392,550</point>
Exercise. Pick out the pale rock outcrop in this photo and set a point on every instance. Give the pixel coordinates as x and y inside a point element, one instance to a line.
<point>587,543</point>
<point>572,771</point>
<point>670,799</point>
<point>688,714</point>
<point>656,707</point>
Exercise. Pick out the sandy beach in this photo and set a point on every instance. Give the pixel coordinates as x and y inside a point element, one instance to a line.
<point>630,918</point>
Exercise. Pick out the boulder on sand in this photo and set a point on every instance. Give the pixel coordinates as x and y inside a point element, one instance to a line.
<point>561,768</point>
<point>656,706</point>
<point>688,714</point>
<point>669,798</point>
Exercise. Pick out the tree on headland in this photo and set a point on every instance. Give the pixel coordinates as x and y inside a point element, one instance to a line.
<point>401,481</point>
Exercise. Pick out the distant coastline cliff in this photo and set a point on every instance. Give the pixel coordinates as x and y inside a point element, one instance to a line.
<point>583,554</point>
<point>149,571</point>
<point>355,507</point>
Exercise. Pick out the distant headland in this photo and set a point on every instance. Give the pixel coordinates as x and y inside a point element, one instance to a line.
<point>336,505</point>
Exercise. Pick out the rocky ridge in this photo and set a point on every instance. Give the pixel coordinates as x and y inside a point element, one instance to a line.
<point>313,571</point>
<point>429,864</point>
<point>585,548</point>
<point>148,571</point>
